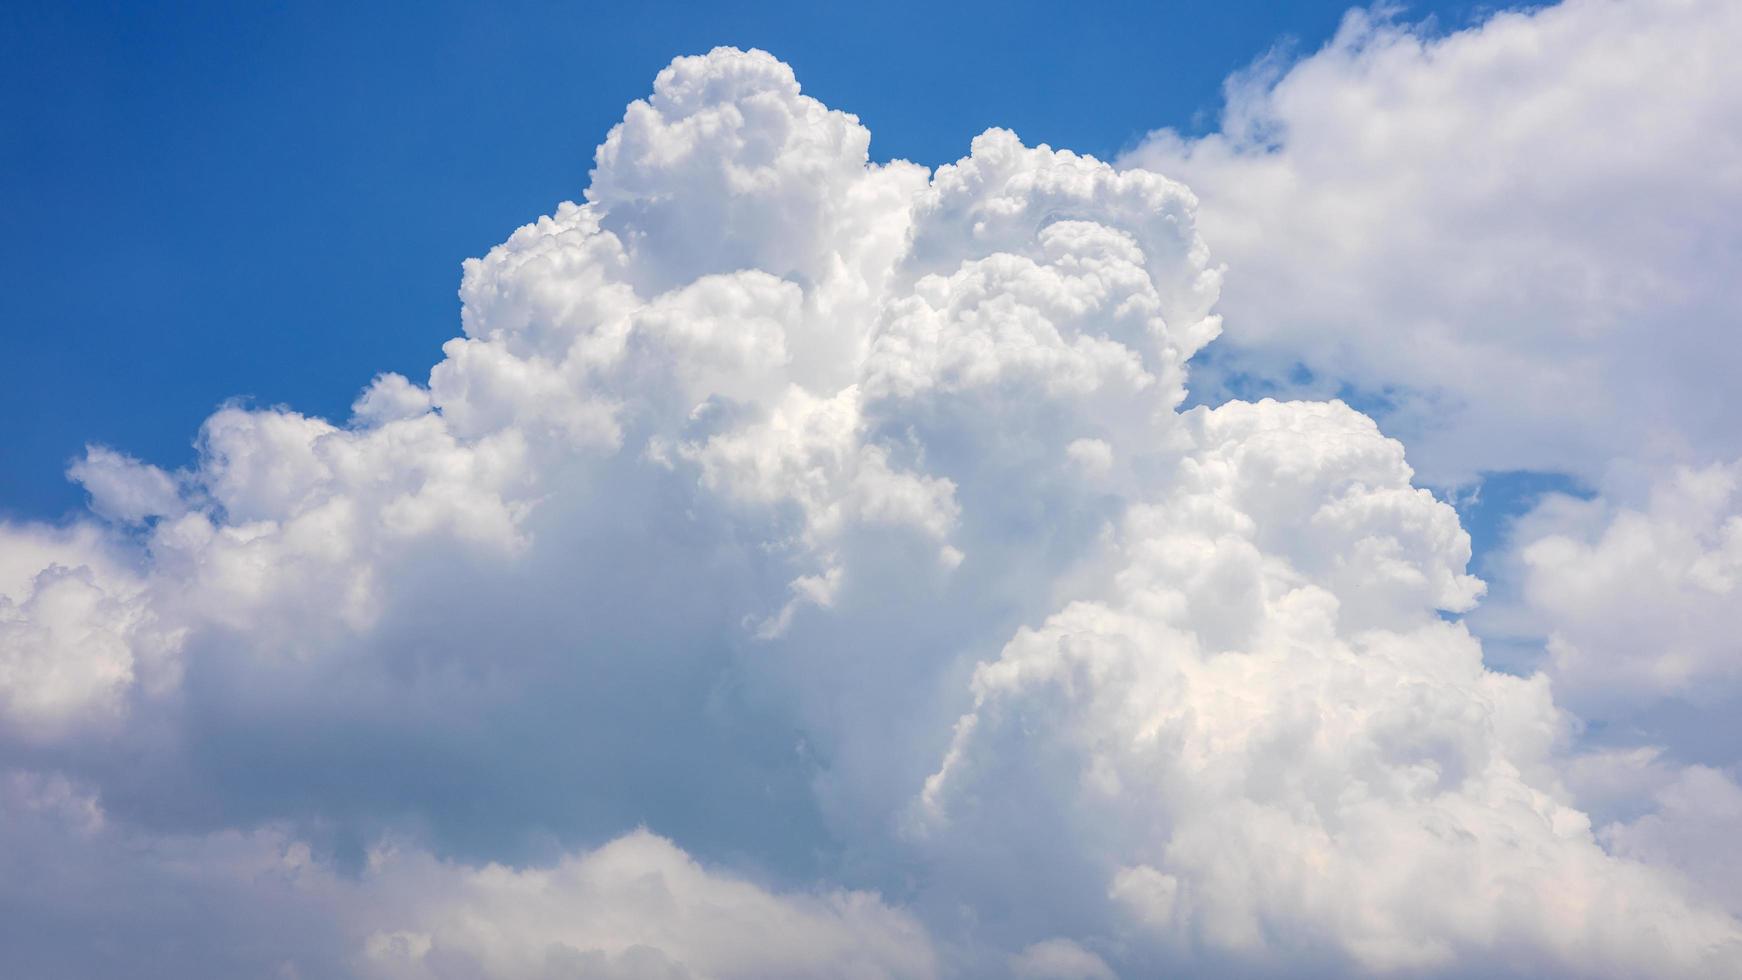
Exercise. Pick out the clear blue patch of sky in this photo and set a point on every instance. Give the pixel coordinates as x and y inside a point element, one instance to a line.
<point>271,201</point>
<point>1489,510</point>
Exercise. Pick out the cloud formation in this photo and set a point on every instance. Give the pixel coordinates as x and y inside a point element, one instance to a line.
<point>1517,240</point>
<point>802,566</point>
<point>1515,244</point>
<point>258,903</point>
<point>1642,603</point>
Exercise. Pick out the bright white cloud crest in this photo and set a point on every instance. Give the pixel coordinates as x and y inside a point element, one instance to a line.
<point>848,506</point>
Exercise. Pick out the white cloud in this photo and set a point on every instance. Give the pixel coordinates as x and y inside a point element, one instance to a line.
<point>635,907</point>
<point>76,631</point>
<point>123,488</point>
<point>1059,959</point>
<point>1517,242</point>
<point>1522,235</point>
<point>1640,604</point>
<point>1691,827</point>
<point>837,520</point>
<point>1240,747</point>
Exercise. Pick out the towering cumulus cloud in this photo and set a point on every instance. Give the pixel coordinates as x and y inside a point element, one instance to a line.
<point>800,567</point>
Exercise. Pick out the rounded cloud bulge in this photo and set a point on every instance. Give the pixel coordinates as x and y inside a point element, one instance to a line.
<point>799,566</point>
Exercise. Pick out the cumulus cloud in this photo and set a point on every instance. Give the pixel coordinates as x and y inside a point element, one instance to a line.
<point>1689,826</point>
<point>1059,959</point>
<point>77,632</point>
<point>837,521</point>
<point>1631,598</point>
<point>1641,603</point>
<point>636,907</point>
<point>1258,756</point>
<point>261,903</point>
<point>123,488</point>
<point>1516,239</point>
<point>1513,243</point>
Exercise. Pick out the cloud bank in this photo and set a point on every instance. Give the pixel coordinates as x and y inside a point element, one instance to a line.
<point>802,566</point>
<point>1516,241</point>
<point>1516,245</point>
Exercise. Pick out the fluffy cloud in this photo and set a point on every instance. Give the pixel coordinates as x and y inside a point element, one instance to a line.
<point>838,521</point>
<point>1517,239</point>
<point>1689,827</point>
<point>1514,243</point>
<point>636,907</point>
<point>1641,604</point>
<point>1059,959</point>
<point>260,903</point>
<point>1631,598</point>
<point>77,632</point>
<point>1254,754</point>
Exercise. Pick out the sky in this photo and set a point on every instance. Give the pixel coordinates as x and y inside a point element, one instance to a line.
<point>742,492</point>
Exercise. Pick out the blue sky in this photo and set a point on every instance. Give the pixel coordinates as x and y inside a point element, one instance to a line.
<point>271,201</point>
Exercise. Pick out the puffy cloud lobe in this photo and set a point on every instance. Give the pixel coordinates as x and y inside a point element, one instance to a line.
<point>76,632</point>
<point>281,532</point>
<point>996,199</point>
<point>1320,486</point>
<point>124,489</point>
<point>729,167</point>
<point>302,516</point>
<point>841,476</point>
<point>1517,238</point>
<point>1640,604</point>
<point>636,907</point>
<point>1007,321</point>
<point>66,646</point>
<point>389,398</point>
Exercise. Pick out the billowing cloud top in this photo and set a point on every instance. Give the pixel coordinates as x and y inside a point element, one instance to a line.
<point>837,523</point>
